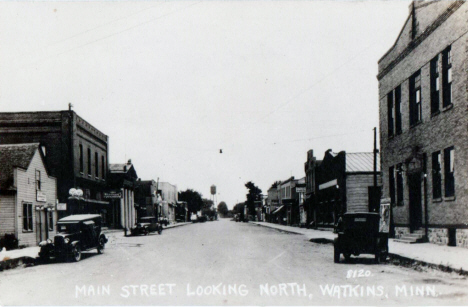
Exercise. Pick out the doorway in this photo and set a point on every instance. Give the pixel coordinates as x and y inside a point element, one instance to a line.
<point>415,207</point>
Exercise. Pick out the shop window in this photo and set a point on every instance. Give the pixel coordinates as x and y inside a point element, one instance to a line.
<point>50,220</point>
<point>415,99</point>
<point>447,76</point>
<point>449,163</point>
<point>435,85</point>
<point>27,217</point>
<point>436,175</point>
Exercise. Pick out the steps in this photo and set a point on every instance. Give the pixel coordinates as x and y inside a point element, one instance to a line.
<point>411,238</point>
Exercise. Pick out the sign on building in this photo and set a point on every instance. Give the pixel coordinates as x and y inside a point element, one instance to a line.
<point>62,206</point>
<point>112,195</point>
<point>41,197</point>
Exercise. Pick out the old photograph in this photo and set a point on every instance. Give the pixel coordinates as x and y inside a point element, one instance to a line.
<point>234,153</point>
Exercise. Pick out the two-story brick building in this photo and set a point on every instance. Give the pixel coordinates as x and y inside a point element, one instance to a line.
<point>423,103</point>
<point>75,152</point>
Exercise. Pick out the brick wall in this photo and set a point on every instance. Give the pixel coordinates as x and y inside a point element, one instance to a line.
<point>449,128</point>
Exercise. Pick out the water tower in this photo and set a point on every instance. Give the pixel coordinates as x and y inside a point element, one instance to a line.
<point>213,192</point>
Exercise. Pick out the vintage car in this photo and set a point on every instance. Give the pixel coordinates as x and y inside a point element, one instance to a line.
<point>75,234</point>
<point>146,225</point>
<point>359,233</point>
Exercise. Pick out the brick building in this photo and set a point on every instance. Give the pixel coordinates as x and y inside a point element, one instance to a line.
<point>423,102</point>
<point>75,152</point>
<point>27,194</point>
<point>309,167</point>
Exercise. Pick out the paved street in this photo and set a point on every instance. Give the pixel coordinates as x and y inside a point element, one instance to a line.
<point>225,263</point>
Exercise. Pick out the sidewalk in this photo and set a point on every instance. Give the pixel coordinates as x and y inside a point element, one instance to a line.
<point>445,257</point>
<point>13,258</point>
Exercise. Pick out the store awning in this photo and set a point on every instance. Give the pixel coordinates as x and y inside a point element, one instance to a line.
<point>277,210</point>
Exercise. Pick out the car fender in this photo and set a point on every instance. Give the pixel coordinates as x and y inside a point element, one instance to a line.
<point>103,236</point>
<point>74,243</point>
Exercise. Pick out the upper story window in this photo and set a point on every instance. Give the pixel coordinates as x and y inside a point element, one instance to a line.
<point>103,167</point>
<point>399,185</point>
<point>96,164</point>
<point>38,180</point>
<point>449,163</point>
<point>415,98</point>
<point>398,109</point>
<point>435,85</point>
<point>447,76</point>
<point>89,161</point>
<point>391,182</point>
<point>436,175</point>
<point>81,159</point>
<point>390,114</point>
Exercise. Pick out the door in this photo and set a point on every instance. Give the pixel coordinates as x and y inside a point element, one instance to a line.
<point>415,207</point>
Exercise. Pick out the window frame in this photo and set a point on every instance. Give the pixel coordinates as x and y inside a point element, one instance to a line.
<point>397,106</point>
<point>38,180</point>
<point>96,165</point>
<point>28,225</point>
<point>81,159</point>
<point>390,114</point>
<point>435,85</point>
<point>449,171</point>
<point>90,169</point>
<point>415,103</point>
<point>436,175</point>
<point>447,79</point>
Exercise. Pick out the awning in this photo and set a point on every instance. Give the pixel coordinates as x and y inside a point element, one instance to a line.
<point>277,210</point>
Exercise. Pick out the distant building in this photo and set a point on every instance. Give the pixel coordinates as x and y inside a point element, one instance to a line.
<point>145,198</point>
<point>423,90</point>
<point>28,194</point>
<point>122,180</point>
<point>345,183</point>
<point>272,204</point>
<point>288,199</point>
<point>309,205</point>
<point>169,199</point>
<point>75,152</point>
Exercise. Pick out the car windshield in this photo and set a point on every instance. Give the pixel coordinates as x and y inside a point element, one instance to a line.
<point>68,227</point>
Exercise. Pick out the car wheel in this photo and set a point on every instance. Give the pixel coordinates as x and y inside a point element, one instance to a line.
<point>336,251</point>
<point>44,258</point>
<point>347,257</point>
<point>145,231</point>
<point>160,230</point>
<point>101,245</point>
<point>76,253</point>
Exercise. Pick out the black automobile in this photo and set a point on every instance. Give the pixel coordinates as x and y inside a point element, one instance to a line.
<point>146,225</point>
<point>75,234</point>
<point>358,233</point>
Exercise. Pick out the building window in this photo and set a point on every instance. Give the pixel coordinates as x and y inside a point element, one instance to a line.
<point>27,217</point>
<point>38,180</point>
<point>50,220</point>
<point>391,182</point>
<point>89,161</point>
<point>390,114</point>
<point>81,159</point>
<point>436,175</point>
<point>435,85</point>
<point>447,76</point>
<point>415,99</point>
<point>103,167</point>
<point>399,185</point>
<point>96,165</point>
<point>398,109</point>
<point>449,161</point>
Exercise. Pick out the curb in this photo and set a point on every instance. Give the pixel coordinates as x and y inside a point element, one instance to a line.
<point>176,225</point>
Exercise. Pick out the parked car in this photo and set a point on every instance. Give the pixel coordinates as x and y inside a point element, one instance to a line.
<point>75,234</point>
<point>358,233</point>
<point>146,225</point>
<point>163,221</point>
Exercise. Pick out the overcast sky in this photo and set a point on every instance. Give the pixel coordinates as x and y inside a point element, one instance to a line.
<point>172,83</point>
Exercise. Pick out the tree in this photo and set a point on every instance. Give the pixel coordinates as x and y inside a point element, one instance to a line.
<point>275,184</point>
<point>223,209</point>
<point>254,195</point>
<point>193,199</point>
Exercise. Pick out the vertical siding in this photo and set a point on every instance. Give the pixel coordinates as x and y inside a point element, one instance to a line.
<point>7,214</point>
<point>27,193</point>
<point>357,191</point>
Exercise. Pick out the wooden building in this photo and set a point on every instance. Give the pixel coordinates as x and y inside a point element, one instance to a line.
<point>28,194</point>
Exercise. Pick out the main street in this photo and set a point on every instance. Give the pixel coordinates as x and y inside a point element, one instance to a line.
<point>225,263</point>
